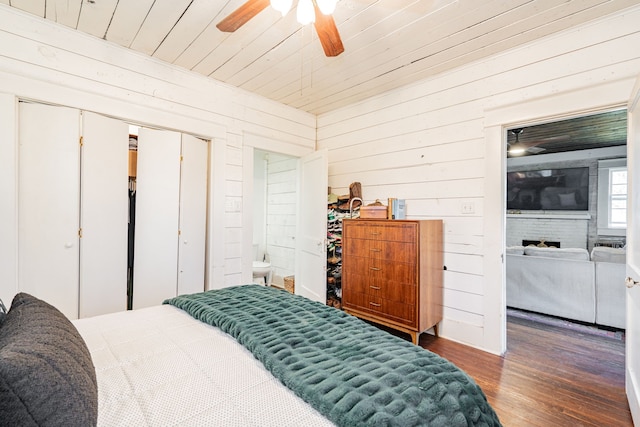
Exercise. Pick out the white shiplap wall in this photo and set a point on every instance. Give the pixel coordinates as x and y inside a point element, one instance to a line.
<point>427,143</point>
<point>49,63</point>
<point>282,195</point>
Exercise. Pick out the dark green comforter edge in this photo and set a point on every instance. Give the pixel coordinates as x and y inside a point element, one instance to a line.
<point>351,372</point>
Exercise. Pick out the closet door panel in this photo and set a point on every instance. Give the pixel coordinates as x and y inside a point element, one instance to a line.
<point>48,204</point>
<point>104,215</point>
<point>155,268</point>
<point>193,215</point>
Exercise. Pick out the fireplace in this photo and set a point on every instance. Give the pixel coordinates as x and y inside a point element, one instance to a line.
<point>540,243</point>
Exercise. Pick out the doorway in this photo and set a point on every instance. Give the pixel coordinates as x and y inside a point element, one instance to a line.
<point>275,195</point>
<point>566,219</point>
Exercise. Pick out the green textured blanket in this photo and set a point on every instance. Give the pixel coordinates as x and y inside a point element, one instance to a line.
<point>351,372</point>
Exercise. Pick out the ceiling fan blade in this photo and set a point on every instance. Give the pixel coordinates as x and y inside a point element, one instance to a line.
<point>328,33</point>
<point>242,15</point>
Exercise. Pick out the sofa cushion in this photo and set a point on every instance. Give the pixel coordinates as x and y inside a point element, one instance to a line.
<point>564,253</point>
<point>515,250</point>
<point>47,377</point>
<point>606,254</point>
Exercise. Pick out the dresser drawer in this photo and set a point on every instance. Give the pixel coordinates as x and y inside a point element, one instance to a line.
<point>391,231</point>
<point>384,250</point>
<point>405,293</point>
<point>391,310</point>
<point>402,272</point>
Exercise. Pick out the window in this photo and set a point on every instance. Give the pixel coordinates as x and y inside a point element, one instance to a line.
<point>618,197</point>
<point>612,197</point>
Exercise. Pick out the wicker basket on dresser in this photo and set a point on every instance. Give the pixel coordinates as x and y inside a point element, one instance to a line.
<point>392,273</point>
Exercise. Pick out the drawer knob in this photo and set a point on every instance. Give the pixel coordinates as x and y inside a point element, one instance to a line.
<point>377,288</point>
<point>374,304</point>
<point>374,268</point>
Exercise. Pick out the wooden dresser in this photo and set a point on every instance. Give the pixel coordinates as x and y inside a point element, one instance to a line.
<point>392,273</point>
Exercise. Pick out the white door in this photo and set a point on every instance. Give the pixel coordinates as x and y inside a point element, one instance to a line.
<point>193,215</point>
<point>311,246</point>
<point>49,204</point>
<point>103,215</point>
<point>633,256</point>
<point>155,265</point>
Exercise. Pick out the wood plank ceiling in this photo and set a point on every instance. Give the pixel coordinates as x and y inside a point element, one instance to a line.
<point>600,130</point>
<point>388,43</point>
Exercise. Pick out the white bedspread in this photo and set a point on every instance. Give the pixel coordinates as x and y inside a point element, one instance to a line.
<point>160,367</point>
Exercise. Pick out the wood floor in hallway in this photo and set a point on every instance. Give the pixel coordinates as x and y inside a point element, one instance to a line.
<point>551,375</point>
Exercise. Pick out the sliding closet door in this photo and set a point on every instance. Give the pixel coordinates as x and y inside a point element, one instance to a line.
<point>155,269</point>
<point>104,215</point>
<point>48,204</point>
<point>193,215</point>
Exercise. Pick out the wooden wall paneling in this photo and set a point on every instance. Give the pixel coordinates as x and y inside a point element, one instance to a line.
<point>412,121</point>
<point>37,7</point>
<point>429,155</point>
<point>48,204</point>
<point>467,263</point>
<point>460,31</point>
<point>96,16</point>
<point>465,282</point>
<point>465,301</point>
<point>372,87</point>
<point>520,78</point>
<point>104,215</point>
<point>63,12</point>
<point>245,36</point>
<point>245,54</point>
<point>463,243</point>
<point>127,20</point>
<point>282,196</point>
<point>9,192</point>
<point>155,271</point>
<point>459,85</point>
<point>121,74</point>
<point>368,41</point>
<point>360,38</point>
<point>286,60</point>
<point>156,26</point>
<point>193,215</point>
<point>507,71</point>
<point>114,81</point>
<point>233,217</point>
<point>195,20</point>
<point>204,44</point>
<point>218,233</point>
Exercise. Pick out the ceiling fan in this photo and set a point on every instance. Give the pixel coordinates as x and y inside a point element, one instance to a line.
<point>519,148</point>
<point>309,9</point>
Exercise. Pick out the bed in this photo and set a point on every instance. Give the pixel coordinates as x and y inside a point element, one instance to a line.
<point>241,356</point>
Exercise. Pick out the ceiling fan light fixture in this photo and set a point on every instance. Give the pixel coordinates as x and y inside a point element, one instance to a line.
<point>282,6</point>
<point>327,7</point>
<point>306,13</point>
<point>517,150</point>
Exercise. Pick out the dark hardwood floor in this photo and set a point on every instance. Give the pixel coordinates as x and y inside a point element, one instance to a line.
<point>550,376</point>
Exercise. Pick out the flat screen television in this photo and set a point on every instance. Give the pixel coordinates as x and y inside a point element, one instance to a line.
<point>549,189</point>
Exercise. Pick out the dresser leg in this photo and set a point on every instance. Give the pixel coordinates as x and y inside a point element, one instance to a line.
<point>435,329</point>
<point>415,336</point>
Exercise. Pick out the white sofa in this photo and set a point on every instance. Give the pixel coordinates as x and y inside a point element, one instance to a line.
<point>568,283</point>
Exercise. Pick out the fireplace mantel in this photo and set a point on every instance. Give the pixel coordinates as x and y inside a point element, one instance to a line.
<point>542,215</point>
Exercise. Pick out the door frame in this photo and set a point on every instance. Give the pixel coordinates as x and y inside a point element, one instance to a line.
<point>632,380</point>
<point>250,143</point>
<point>589,100</point>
